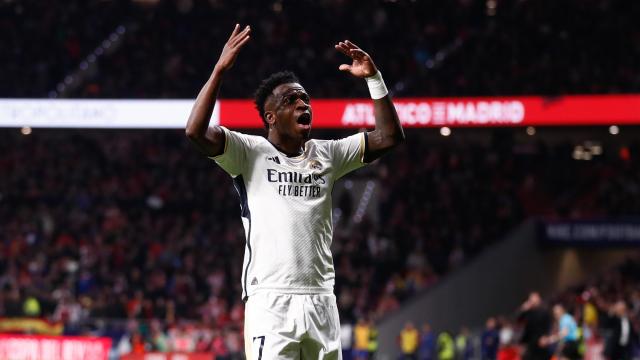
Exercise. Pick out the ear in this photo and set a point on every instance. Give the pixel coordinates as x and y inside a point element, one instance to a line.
<point>270,116</point>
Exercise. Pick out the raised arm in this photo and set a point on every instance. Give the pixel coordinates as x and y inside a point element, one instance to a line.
<point>210,140</point>
<point>388,132</point>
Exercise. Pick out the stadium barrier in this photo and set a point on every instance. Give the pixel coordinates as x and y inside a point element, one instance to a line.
<point>30,326</point>
<point>330,113</point>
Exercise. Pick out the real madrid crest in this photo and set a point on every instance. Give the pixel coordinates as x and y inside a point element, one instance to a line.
<point>315,164</point>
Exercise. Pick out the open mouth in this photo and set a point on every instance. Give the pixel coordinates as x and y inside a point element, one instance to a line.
<point>304,119</point>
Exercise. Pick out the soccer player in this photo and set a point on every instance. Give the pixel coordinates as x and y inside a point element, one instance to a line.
<point>285,182</point>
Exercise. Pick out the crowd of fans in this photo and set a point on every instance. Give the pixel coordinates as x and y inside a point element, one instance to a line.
<point>138,226</point>
<point>431,48</point>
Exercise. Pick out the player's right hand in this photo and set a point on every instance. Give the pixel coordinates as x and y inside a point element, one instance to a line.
<point>232,47</point>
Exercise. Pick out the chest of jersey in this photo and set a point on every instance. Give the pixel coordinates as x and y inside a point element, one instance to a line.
<point>305,178</point>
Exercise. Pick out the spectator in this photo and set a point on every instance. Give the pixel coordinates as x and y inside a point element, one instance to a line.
<point>427,348</point>
<point>362,334</point>
<point>218,346</point>
<point>373,340</point>
<point>464,345</point>
<point>490,340</point>
<point>233,341</point>
<point>623,335</point>
<point>31,306</point>
<point>346,339</point>
<point>508,349</point>
<point>159,341</point>
<point>446,347</point>
<point>182,339</point>
<point>137,344</point>
<point>409,341</point>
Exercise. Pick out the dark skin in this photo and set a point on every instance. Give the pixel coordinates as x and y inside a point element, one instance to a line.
<point>288,110</point>
<point>288,114</point>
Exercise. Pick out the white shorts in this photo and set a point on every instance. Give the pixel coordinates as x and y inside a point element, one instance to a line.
<point>291,326</point>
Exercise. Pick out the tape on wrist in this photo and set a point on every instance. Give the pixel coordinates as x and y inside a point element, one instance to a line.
<point>376,85</point>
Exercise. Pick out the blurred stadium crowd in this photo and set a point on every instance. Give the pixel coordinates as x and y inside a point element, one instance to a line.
<point>442,48</point>
<point>594,311</point>
<point>112,224</point>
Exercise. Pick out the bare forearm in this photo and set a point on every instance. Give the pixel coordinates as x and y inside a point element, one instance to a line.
<point>387,122</point>
<point>388,132</point>
<point>210,140</point>
<point>203,107</point>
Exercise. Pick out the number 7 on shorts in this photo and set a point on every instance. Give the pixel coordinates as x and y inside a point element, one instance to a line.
<point>261,345</point>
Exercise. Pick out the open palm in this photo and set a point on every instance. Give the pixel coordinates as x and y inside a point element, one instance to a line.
<point>362,65</point>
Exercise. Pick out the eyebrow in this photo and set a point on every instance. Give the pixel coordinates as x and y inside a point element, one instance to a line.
<point>284,95</point>
<point>292,90</point>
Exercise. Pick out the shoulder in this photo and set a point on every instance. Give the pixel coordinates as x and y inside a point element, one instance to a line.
<point>328,143</point>
<point>318,143</point>
<point>247,139</point>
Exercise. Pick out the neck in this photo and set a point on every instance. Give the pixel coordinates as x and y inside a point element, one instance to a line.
<point>289,145</point>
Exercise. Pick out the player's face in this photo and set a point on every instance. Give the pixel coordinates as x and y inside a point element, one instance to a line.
<point>291,110</point>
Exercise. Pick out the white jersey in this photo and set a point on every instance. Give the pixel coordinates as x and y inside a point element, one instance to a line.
<point>286,209</point>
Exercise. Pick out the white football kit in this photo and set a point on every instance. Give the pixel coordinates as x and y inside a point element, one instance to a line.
<point>288,273</point>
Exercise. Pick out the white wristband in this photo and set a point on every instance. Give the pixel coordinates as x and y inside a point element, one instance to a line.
<point>376,85</point>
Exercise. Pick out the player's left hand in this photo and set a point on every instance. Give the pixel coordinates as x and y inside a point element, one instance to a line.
<point>362,65</point>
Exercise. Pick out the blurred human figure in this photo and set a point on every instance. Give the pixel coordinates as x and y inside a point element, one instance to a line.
<point>489,340</point>
<point>537,323</point>
<point>464,346</point>
<point>68,311</point>
<point>159,341</point>
<point>372,347</point>
<point>508,349</point>
<point>589,316</point>
<point>233,341</point>
<point>181,340</point>
<point>361,334</point>
<point>137,343</point>
<point>623,336</point>
<point>346,339</point>
<point>427,347</point>
<point>31,306</point>
<point>566,336</point>
<point>409,340</point>
<point>218,345</point>
<point>446,347</point>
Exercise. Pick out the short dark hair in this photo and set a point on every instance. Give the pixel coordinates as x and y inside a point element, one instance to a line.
<point>266,89</point>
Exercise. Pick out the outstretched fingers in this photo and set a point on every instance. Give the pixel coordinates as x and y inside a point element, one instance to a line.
<point>238,36</point>
<point>342,47</point>
<point>235,31</point>
<point>350,49</point>
<point>351,45</point>
<point>243,41</point>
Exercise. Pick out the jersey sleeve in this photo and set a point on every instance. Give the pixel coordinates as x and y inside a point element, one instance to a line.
<point>348,154</point>
<point>236,154</point>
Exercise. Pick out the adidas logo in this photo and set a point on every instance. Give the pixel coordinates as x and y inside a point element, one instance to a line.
<point>275,159</point>
<point>254,281</point>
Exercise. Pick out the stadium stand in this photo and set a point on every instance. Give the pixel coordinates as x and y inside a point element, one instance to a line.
<point>113,224</point>
<point>438,48</point>
<point>133,236</point>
